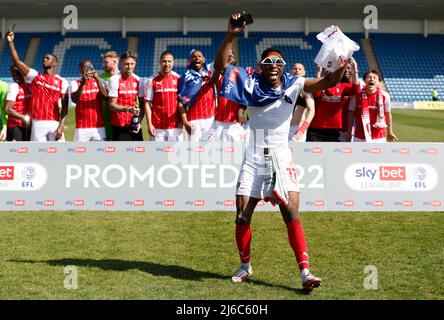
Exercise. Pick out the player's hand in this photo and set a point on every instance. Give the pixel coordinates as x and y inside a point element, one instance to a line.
<point>354,64</point>
<point>151,130</point>
<point>139,127</point>
<point>318,71</point>
<point>235,31</point>
<point>136,111</point>
<point>299,135</point>
<point>10,36</point>
<point>58,134</point>
<point>391,137</point>
<point>3,134</point>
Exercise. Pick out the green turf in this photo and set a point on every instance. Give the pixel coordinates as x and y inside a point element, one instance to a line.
<point>409,125</point>
<point>418,125</point>
<point>177,255</point>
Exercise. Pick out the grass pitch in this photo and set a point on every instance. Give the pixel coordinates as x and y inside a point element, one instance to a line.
<point>178,255</point>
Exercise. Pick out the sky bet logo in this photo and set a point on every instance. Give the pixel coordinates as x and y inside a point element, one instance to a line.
<point>386,173</point>
<point>6,172</point>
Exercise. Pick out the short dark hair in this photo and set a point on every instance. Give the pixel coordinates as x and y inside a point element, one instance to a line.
<point>52,55</point>
<point>128,54</point>
<point>83,62</point>
<point>166,53</point>
<point>372,71</point>
<point>267,51</point>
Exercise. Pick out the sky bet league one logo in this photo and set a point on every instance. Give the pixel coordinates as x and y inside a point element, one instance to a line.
<point>391,177</point>
<point>22,176</point>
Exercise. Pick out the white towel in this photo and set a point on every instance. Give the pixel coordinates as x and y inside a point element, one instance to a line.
<point>274,190</point>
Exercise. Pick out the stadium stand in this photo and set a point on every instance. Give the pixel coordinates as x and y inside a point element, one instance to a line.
<point>412,65</point>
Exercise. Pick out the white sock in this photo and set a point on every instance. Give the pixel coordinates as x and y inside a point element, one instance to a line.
<point>246,265</point>
<point>304,272</point>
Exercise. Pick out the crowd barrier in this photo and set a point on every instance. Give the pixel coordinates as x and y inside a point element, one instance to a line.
<point>139,176</point>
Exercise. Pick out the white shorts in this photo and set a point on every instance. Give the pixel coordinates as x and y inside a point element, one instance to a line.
<point>381,140</point>
<point>292,133</point>
<point>168,135</point>
<point>44,130</point>
<point>201,127</point>
<point>225,131</point>
<point>251,177</point>
<point>89,134</point>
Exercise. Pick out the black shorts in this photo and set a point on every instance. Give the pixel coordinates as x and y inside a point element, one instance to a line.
<point>18,134</point>
<point>125,134</point>
<point>327,135</point>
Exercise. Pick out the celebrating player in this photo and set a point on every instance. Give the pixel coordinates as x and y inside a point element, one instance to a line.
<point>161,102</point>
<point>47,89</point>
<point>197,94</point>
<point>304,110</point>
<point>373,113</point>
<point>124,90</point>
<point>230,118</point>
<point>110,68</point>
<point>17,107</point>
<point>268,170</point>
<point>3,117</point>
<point>88,94</point>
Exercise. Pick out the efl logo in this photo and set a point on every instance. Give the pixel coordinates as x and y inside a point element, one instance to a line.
<point>22,150</point>
<point>404,151</point>
<point>319,203</point>
<point>139,203</point>
<point>407,203</point>
<point>49,203</point>
<point>347,150</point>
<point>110,149</point>
<point>378,203</point>
<point>229,203</point>
<point>168,203</point>
<point>436,203</point>
<point>168,149</point>
<point>375,150</point>
<point>349,203</point>
<point>432,151</point>
<point>80,149</point>
<point>316,150</point>
<point>139,149</point>
<point>6,173</point>
<point>199,149</point>
<point>108,203</point>
<point>19,203</point>
<point>51,150</point>
<point>229,149</point>
<point>199,203</point>
<point>392,173</point>
<point>79,203</point>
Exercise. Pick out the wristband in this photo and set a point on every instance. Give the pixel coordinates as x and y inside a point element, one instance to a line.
<point>304,127</point>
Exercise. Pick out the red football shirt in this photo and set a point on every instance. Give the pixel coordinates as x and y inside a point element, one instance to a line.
<point>205,103</point>
<point>89,108</point>
<point>161,91</point>
<point>20,94</point>
<point>227,110</point>
<point>329,105</point>
<point>377,133</point>
<point>126,90</point>
<point>47,90</point>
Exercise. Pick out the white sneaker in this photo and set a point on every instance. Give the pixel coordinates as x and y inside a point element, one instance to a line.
<point>309,280</point>
<point>242,274</point>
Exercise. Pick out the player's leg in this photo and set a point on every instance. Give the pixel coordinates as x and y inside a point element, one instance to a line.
<point>296,237</point>
<point>245,206</point>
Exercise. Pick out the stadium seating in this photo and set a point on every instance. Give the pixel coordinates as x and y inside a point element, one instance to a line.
<point>412,65</point>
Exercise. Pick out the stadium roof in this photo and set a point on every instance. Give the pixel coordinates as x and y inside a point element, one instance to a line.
<point>353,9</point>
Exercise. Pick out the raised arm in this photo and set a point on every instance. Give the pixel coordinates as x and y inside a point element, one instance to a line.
<point>23,68</point>
<point>221,61</point>
<point>330,80</point>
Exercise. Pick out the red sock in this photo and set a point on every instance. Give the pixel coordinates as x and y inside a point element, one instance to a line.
<point>296,238</point>
<point>243,240</point>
